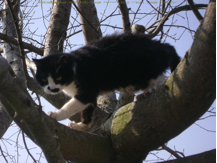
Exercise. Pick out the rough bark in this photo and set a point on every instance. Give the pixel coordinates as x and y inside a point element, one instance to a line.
<point>5,120</point>
<point>11,53</point>
<point>89,20</point>
<point>125,15</point>
<point>58,24</point>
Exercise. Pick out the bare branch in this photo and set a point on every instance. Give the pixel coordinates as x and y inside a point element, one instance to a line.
<point>173,11</point>
<point>19,38</point>
<point>2,152</point>
<point>137,11</point>
<point>174,153</point>
<point>30,64</point>
<point>56,33</point>
<point>196,12</point>
<point>89,20</point>
<point>12,40</point>
<point>27,148</point>
<point>157,10</point>
<point>204,128</point>
<point>125,15</point>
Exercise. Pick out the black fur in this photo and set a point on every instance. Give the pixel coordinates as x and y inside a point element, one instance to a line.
<point>107,64</point>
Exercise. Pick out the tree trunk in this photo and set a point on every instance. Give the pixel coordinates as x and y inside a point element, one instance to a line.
<point>89,20</point>
<point>11,53</point>
<point>58,24</point>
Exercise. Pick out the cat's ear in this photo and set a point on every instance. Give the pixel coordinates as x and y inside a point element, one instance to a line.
<point>63,59</point>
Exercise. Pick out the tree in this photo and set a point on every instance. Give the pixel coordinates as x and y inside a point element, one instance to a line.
<point>123,130</point>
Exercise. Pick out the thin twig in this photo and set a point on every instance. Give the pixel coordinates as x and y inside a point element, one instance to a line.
<point>204,128</point>
<point>137,11</point>
<point>24,141</point>
<point>173,11</point>
<point>14,41</point>
<point>174,153</point>
<point>2,152</point>
<point>157,10</point>
<point>74,33</point>
<point>110,15</point>
<point>111,26</point>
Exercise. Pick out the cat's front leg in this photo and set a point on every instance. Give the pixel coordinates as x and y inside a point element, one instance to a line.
<point>70,108</point>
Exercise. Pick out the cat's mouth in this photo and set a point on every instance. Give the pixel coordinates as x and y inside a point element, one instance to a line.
<point>55,90</point>
<point>52,91</point>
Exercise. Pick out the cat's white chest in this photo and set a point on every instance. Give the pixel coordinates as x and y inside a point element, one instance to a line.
<point>70,90</point>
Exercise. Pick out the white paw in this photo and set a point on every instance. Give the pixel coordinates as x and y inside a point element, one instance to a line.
<point>77,126</point>
<point>53,114</point>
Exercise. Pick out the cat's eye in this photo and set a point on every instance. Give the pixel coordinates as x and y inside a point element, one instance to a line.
<point>44,80</point>
<point>59,78</point>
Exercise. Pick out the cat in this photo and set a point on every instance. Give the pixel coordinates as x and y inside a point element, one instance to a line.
<point>129,62</point>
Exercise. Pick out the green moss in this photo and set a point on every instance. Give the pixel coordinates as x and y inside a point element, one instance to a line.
<point>122,118</point>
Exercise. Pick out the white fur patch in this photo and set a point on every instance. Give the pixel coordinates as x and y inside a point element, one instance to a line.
<point>70,108</point>
<point>70,89</point>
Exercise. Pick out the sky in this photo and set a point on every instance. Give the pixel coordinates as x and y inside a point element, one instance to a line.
<point>192,141</point>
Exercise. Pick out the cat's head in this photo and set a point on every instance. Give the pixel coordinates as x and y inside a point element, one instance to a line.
<point>54,72</point>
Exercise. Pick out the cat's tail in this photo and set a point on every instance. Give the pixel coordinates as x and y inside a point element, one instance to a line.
<point>173,58</point>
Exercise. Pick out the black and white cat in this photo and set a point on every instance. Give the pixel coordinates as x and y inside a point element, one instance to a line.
<point>131,62</point>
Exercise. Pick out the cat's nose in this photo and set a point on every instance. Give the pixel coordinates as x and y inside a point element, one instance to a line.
<point>53,90</point>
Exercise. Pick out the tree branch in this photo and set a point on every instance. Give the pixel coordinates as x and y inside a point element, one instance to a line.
<point>83,18</point>
<point>165,18</point>
<point>11,53</point>
<point>89,20</point>
<point>125,15</point>
<point>174,153</point>
<point>195,11</point>
<point>59,20</point>
<point>12,40</point>
<point>19,37</point>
